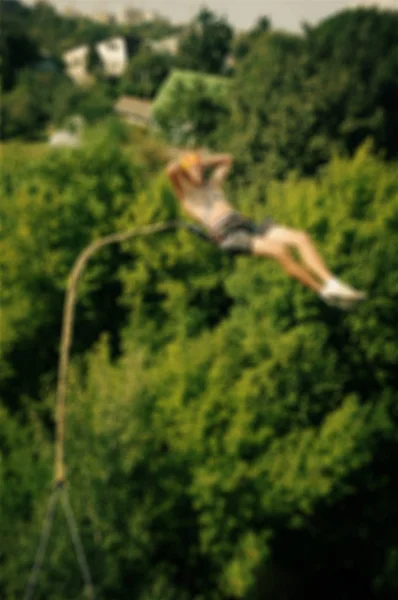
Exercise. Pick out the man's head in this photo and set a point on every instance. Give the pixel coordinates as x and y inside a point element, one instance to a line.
<point>192,166</point>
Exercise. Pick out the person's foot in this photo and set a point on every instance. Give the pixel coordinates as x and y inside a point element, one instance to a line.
<point>345,304</point>
<point>337,293</point>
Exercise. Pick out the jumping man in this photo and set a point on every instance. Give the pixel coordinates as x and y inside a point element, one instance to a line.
<point>203,198</point>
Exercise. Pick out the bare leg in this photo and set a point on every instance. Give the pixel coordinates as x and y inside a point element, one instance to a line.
<point>305,247</point>
<point>263,246</point>
<point>275,244</point>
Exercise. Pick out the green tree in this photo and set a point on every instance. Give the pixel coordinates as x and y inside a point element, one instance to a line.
<point>244,40</point>
<point>52,208</point>
<point>298,99</point>
<point>192,110</point>
<point>40,97</point>
<point>27,108</point>
<point>24,478</point>
<point>17,49</point>
<point>254,449</point>
<point>265,81</point>
<point>145,73</point>
<point>94,103</point>
<point>368,89</point>
<point>206,44</point>
<point>21,117</point>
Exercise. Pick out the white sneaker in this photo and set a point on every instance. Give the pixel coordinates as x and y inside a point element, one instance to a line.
<point>342,304</point>
<point>337,293</point>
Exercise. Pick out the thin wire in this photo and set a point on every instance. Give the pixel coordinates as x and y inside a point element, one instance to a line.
<point>79,549</point>
<point>41,550</point>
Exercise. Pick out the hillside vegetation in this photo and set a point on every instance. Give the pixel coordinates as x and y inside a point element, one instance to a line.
<point>228,435</point>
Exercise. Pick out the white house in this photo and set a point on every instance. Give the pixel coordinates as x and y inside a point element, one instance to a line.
<point>114,56</point>
<point>76,63</point>
<point>70,135</point>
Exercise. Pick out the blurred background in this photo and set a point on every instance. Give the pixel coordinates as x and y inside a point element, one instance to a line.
<point>228,435</point>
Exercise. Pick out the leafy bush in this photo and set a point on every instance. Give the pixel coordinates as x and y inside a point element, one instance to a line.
<point>298,98</point>
<point>53,207</point>
<point>252,454</point>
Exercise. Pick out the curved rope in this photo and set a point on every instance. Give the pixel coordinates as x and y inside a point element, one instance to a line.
<point>69,314</point>
<point>67,326</point>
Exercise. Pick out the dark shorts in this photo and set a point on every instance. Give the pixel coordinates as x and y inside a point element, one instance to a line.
<point>236,233</point>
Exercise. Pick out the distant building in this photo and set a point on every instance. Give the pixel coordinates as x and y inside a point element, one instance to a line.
<point>69,11</point>
<point>148,16</point>
<point>103,17</point>
<point>169,45</point>
<point>76,64</point>
<point>136,16</point>
<point>134,110</point>
<point>70,136</point>
<point>114,56</point>
<point>112,53</point>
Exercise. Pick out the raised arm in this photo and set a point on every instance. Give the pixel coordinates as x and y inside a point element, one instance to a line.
<point>221,163</point>
<point>174,171</point>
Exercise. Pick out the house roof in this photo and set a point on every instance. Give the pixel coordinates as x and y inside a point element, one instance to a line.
<point>134,106</point>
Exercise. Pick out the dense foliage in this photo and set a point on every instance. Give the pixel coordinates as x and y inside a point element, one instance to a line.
<point>206,44</point>
<point>246,433</point>
<point>190,106</point>
<point>51,210</point>
<point>146,72</point>
<point>298,98</point>
<point>229,436</point>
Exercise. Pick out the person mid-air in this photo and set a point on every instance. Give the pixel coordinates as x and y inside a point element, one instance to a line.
<point>197,181</point>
